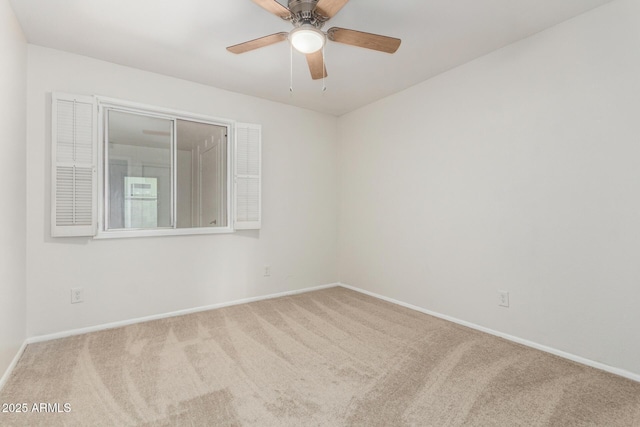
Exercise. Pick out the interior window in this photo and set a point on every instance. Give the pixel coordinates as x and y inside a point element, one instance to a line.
<point>164,173</point>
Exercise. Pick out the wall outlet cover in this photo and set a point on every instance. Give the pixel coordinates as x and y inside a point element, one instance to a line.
<point>77,295</point>
<point>503,298</point>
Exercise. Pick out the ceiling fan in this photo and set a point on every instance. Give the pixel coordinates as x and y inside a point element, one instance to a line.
<point>308,17</point>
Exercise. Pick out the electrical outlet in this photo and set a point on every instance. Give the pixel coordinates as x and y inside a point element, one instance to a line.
<point>503,298</point>
<point>267,270</point>
<point>77,295</point>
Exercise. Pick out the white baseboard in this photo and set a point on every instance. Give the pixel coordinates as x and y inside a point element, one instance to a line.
<point>598,365</point>
<point>12,365</point>
<point>80,331</point>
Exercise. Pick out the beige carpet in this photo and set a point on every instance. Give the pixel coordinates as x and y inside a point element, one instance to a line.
<point>327,358</point>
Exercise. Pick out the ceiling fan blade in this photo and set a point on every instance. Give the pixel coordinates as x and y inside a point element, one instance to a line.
<point>258,43</point>
<point>316,65</point>
<point>329,8</point>
<point>274,7</point>
<point>366,40</point>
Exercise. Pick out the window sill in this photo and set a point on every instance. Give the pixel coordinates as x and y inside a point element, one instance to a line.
<point>126,234</point>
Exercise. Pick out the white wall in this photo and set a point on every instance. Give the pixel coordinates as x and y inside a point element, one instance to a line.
<point>518,171</point>
<point>129,278</point>
<point>13,63</point>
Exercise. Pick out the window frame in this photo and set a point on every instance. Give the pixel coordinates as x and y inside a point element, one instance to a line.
<point>106,104</point>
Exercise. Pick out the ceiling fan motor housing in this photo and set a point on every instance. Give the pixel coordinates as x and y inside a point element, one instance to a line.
<point>303,13</point>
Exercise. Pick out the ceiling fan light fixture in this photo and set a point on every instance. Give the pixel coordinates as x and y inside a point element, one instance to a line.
<point>307,39</point>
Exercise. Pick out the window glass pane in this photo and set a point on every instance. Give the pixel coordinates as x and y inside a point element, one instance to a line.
<point>201,175</point>
<point>139,171</point>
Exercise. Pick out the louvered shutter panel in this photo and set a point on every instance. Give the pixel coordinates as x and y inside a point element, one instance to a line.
<point>248,170</point>
<point>74,161</point>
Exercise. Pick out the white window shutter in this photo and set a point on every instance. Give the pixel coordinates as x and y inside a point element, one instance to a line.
<point>248,172</point>
<point>74,164</point>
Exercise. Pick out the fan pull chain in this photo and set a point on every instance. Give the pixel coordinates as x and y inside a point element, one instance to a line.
<point>290,69</point>
<point>324,86</point>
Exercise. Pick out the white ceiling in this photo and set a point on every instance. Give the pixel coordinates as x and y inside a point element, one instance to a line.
<point>187,39</point>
